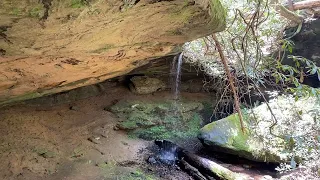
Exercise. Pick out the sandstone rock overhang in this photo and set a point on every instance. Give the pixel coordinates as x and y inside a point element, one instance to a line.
<point>51,46</point>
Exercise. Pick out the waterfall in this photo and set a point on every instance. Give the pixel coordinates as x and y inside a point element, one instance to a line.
<point>176,75</point>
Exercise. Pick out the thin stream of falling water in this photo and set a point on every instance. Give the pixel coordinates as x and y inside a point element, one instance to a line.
<point>172,74</point>
<point>176,72</point>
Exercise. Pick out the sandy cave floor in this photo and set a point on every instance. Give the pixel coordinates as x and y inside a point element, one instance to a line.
<point>41,141</point>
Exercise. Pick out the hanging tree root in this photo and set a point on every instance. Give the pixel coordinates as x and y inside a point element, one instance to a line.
<point>198,167</point>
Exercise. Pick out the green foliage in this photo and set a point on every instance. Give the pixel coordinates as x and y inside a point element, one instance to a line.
<point>16,12</point>
<point>136,175</point>
<point>112,170</point>
<point>286,74</point>
<point>78,3</point>
<point>295,126</point>
<point>156,132</point>
<point>245,44</point>
<point>254,32</point>
<point>36,12</point>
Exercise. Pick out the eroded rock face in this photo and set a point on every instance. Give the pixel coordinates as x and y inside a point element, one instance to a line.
<point>146,85</point>
<point>52,46</point>
<point>191,78</point>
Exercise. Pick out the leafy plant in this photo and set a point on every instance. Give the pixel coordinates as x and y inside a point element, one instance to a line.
<point>254,32</point>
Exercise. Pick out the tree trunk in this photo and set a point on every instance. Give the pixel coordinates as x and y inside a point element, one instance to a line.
<point>231,81</point>
<point>211,168</point>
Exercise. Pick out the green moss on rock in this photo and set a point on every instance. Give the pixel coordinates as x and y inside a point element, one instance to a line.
<point>219,14</point>
<point>160,120</point>
<point>226,135</point>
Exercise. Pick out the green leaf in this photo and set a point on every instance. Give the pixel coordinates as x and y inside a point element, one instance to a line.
<point>296,83</point>
<point>291,71</point>
<point>314,70</point>
<point>308,63</point>
<point>287,79</point>
<point>290,49</point>
<point>313,91</point>
<point>293,164</point>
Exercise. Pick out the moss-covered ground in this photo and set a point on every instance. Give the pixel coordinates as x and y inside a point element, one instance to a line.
<point>159,120</point>
<point>113,171</point>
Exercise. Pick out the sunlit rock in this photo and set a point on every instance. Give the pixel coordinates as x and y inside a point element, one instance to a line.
<point>225,135</point>
<point>48,47</point>
<point>276,137</point>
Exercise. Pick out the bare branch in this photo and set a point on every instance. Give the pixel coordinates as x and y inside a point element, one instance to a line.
<point>230,78</point>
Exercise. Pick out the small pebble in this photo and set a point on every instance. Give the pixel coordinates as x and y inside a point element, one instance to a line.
<point>124,143</point>
<point>74,108</point>
<point>152,160</point>
<point>94,140</point>
<point>107,109</point>
<point>149,169</point>
<point>267,177</point>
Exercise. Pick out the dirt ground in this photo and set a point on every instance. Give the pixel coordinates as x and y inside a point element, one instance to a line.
<point>60,137</point>
<point>74,141</point>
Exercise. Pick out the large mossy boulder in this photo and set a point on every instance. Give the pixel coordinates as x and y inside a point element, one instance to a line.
<point>288,134</point>
<point>226,136</point>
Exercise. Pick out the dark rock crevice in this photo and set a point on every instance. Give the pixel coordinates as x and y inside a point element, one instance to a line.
<point>306,45</point>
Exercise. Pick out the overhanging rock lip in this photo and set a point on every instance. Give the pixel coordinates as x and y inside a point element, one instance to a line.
<point>44,70</point>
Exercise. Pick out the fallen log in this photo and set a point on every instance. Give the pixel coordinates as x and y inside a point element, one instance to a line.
<point>308,4</point>
<point>194,172</point>
<point>198,167</point>
<point>212,168</point>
